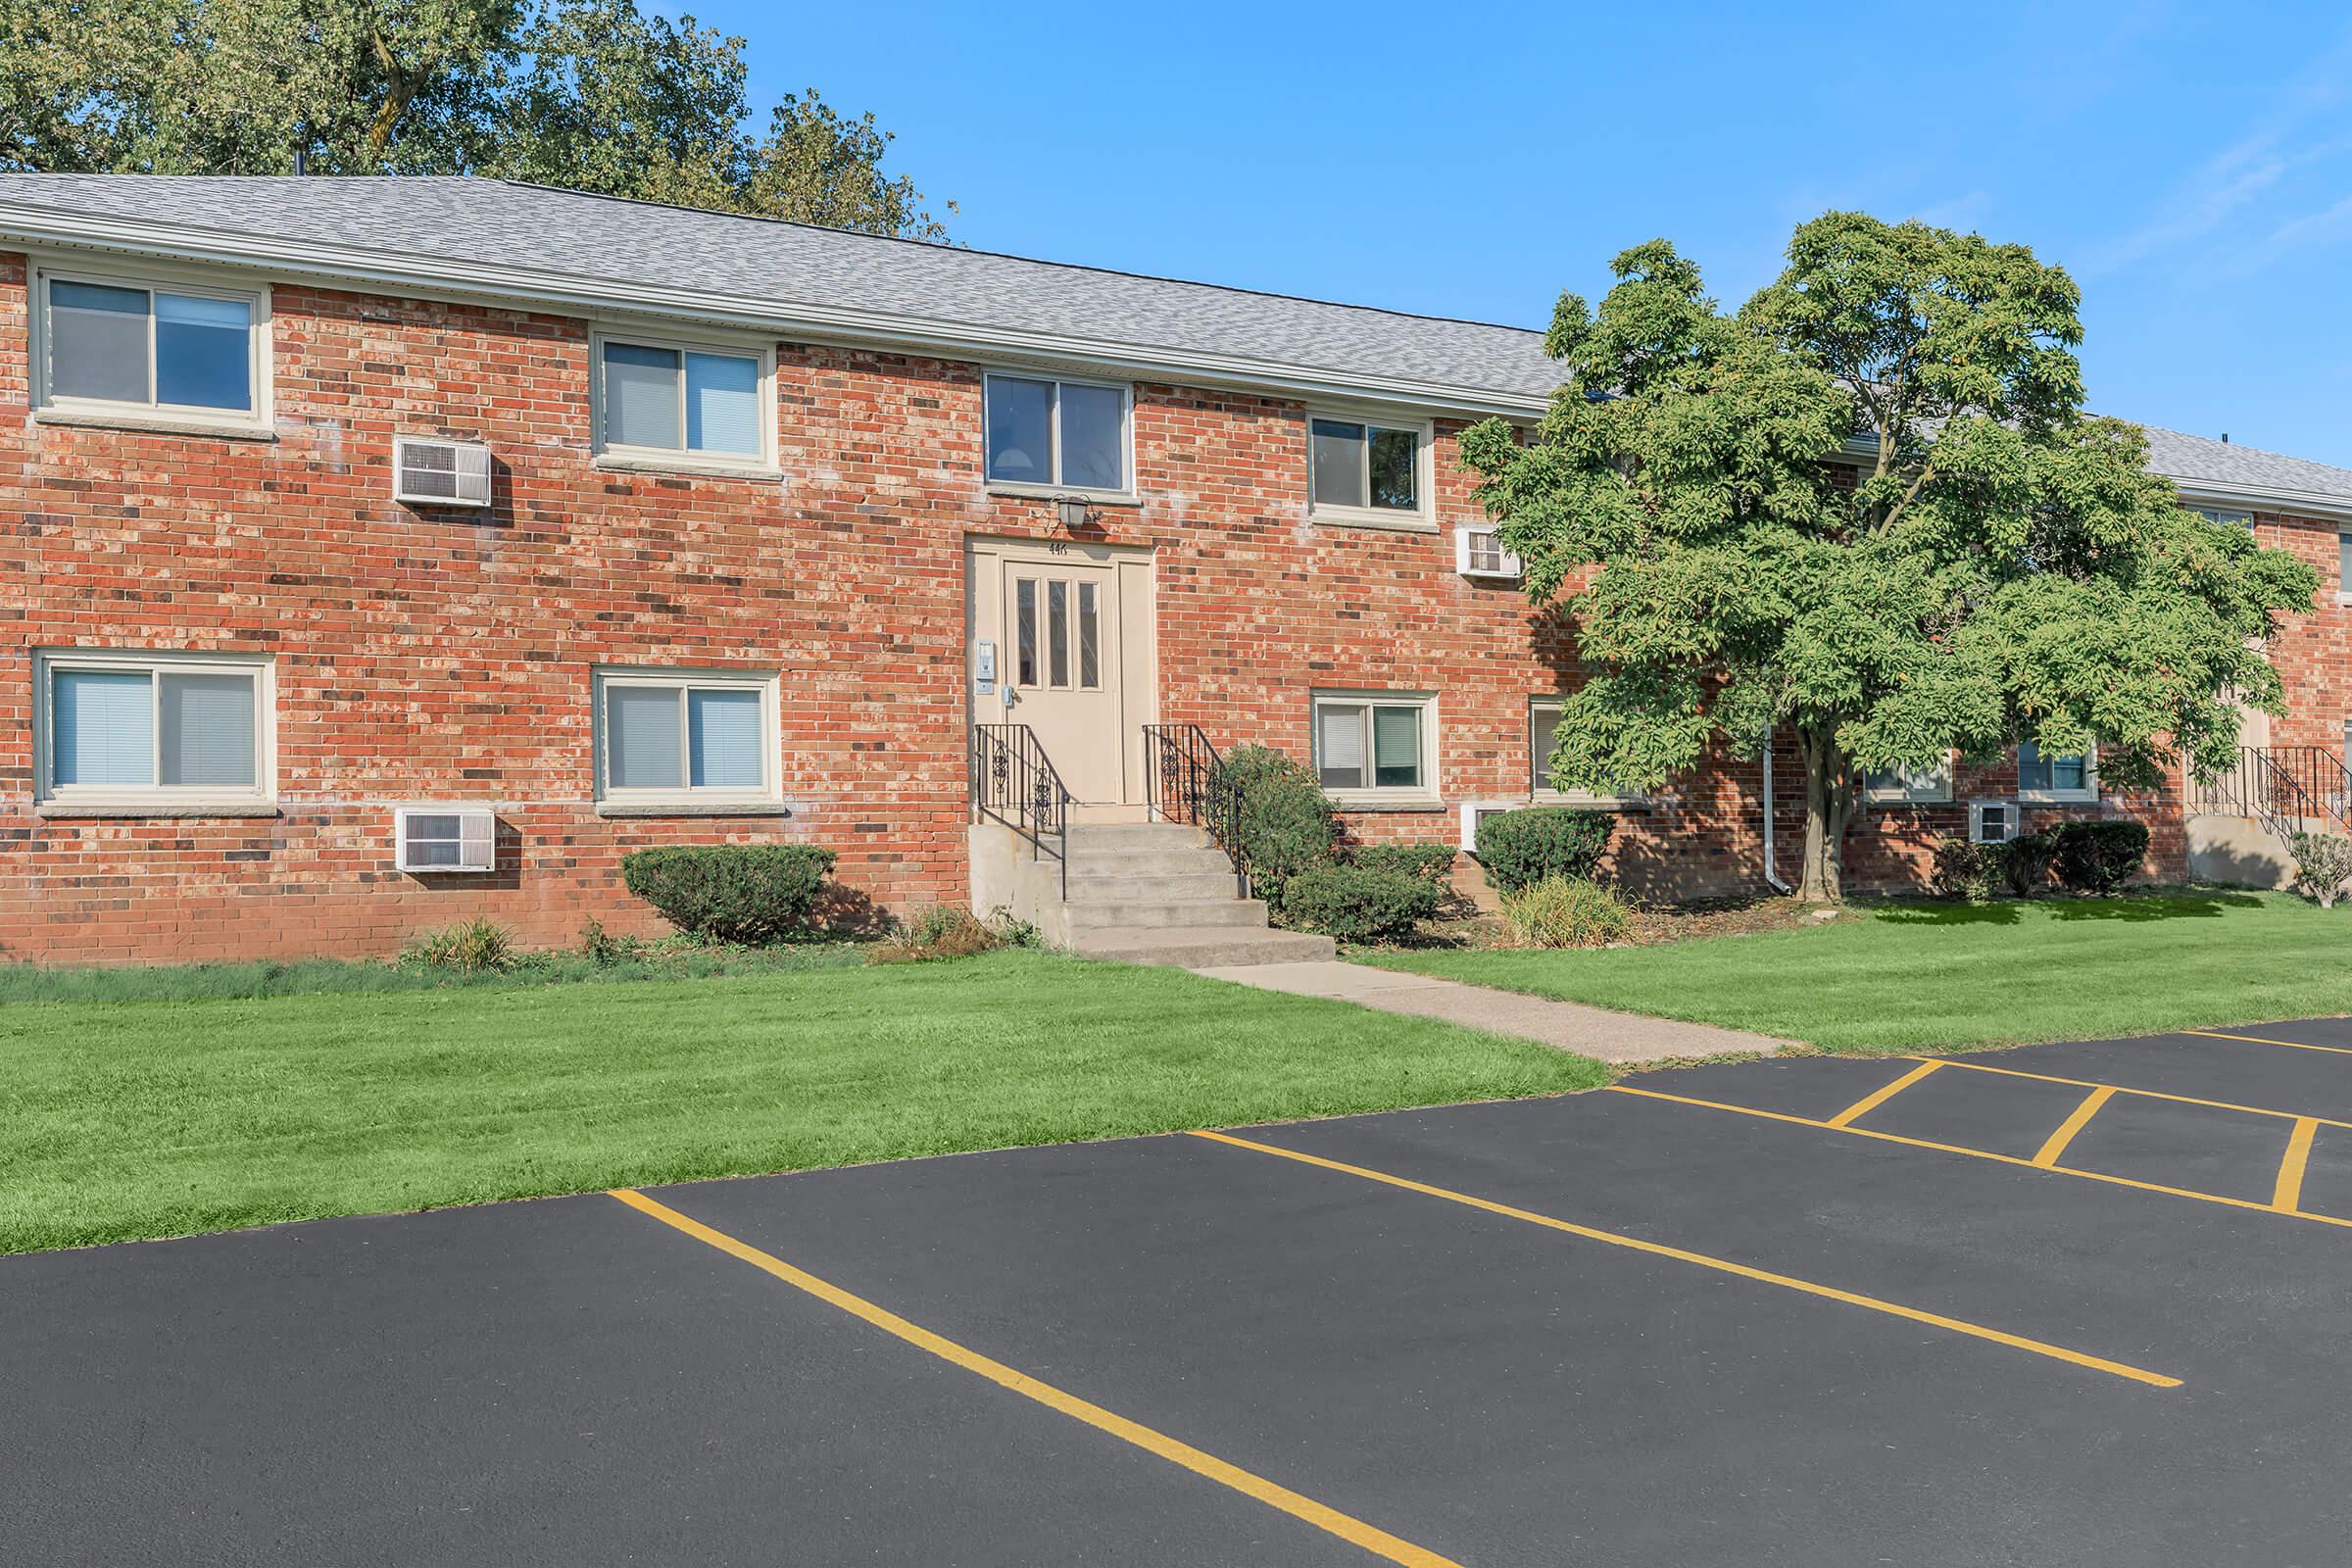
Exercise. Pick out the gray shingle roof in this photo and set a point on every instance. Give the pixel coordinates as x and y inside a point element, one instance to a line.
<point>600,243</point>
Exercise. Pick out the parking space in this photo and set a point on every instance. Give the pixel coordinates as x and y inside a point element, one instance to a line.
<point>2083,1308</point>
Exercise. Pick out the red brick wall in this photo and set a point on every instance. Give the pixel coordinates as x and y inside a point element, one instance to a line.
<point>425,654</point>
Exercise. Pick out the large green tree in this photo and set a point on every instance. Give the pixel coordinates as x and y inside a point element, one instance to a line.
<point>590,94</point>
<point>1868,511</point>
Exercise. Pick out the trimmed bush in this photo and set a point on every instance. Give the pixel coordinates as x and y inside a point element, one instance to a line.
<point>1287,823</point>
<point>1359,903</point>
<point>747,893</point>
<point>1536,842</point>
<point>1558,911</point>
<point>2322,864</point>
<point>2097,855</point>
<point>1965,869</point>
<point>1433,863</point>
<point>477,947</point>
<point>2026,863</point>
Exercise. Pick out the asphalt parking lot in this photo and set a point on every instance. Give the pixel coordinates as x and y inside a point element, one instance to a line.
<point>2080,1304</point>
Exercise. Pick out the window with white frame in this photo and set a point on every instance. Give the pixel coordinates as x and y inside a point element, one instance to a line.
<point>164,730</point>
<point>1365,471</point>
<point>685,736</point>
<point>2043,777</point>
<point>1896,786</point>
<point>135,345</point>
<point>661,399</point>
<point>2343,565</point>
<point>1057,435</point>
<point>1376,746</point>
<point>1543,728</point>
<point>2226,518</point>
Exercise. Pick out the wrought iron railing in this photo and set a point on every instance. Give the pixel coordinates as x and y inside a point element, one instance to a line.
<point>1014,781</point>
<point>1187,781</point>
<point>2283,786</point>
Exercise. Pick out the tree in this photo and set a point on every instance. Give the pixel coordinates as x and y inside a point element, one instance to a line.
<point>588,94</point>
<point>2000,567</point>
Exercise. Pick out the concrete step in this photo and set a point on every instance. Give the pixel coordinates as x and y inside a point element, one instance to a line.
<point>1134,836</point>
<point>1200,947</point>
<point>1089,885</point>
<point>1226,912</point>
<point>1098,862</point>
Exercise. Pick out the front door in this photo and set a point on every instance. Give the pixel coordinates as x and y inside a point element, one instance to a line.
<point>1070,630</point>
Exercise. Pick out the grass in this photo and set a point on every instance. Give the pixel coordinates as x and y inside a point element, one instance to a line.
<point>147,1119</point>
<point>1909,977</point>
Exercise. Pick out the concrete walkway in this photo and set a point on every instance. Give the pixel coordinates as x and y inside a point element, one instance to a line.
<point>1619,1037</point>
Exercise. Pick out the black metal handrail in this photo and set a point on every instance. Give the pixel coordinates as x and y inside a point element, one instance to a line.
<point>1186,781</point>
<point>2282,786</point>
<point>1014,782</point>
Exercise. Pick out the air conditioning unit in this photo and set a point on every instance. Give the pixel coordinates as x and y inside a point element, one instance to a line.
<point>1478,554</point>
<point>440,473</point>
<point>446,838</point>
<point>1475,811</point>
<point>1992,821</point>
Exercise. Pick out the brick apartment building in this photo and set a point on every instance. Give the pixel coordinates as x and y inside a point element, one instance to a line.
<point>772,516</point>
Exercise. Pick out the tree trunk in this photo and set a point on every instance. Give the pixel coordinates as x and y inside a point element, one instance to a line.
<point>1829,803</point>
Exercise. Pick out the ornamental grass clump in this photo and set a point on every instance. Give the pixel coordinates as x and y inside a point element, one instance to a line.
<point>1562,911</point>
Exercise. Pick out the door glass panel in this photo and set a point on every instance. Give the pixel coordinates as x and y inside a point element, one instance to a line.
<point>1090,641</point>
<point>1397,747</point>
<point>1342,744</point>
<point>1057,629</point>
<point>1024,594</point>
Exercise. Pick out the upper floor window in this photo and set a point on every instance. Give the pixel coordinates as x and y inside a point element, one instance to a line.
<point>2343,565</point>
<point>2043,778</point>
<point>1057,435</point>
<point>685,736</point>
<point>2226,518</point>
<point>1363,470</point>
<point>160,730</point>
<point>126,345</point>
<point>1373,748</point>
<point>662,402</point>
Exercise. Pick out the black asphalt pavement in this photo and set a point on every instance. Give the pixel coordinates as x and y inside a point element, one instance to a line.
<point>1419,1369</point>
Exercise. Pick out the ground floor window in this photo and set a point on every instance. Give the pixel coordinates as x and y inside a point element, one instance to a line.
<point>1371,746</point>
<point>2044,777</point>
<point>1542,727</point>
<point>1895,786</point>
<point>137,726</point>
<point>688,735</point>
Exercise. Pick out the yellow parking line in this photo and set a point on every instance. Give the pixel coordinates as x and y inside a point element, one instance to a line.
<point>1353,1530</point>
<point>2145,1094</point>
<point>2287,1198</point>
<point>2055,1143</point>
<point>1659,1250</point>
<point>1879,1097</point>
<point>2265,1040</point>
<point>1977,1154</point>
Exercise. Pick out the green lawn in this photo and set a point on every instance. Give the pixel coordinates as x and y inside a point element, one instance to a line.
<point>145,1118</point>
<point>1936,975</point>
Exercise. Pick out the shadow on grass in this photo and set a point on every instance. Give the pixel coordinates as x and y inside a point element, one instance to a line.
<point>2140,909</point>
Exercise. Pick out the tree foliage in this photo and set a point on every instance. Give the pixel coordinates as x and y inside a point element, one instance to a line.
<point>1995,566</point>
<point>590,94</point>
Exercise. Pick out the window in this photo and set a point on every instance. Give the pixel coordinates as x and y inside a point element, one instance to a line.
<point>685,737</point>
<point>1895,786</point>
<point>116,344</point>
<point>656,399</point>
<point>2225,518</point>
<point>2054,778</point>
<point>1057,435</point>
<point>1542,726</point>
<point>1376,746</point>
<point>2343,565</point>
<point>1365,471</point>
<point>160,730</point>
<point>1479,553</point>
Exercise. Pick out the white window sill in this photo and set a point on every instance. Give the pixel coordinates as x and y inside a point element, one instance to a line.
<point>2342,598</point>
<point>1596,802</point>
<point>1384,801</point>
<point>1495,578</point>
<point>1055,492</point>
<point>1885,800</point>
<point>685,462</point>
<point>2057,797</point>
<point>134,806</point>
<point>1372,517</point>
<point>227,427</point>
<point>691,806</point>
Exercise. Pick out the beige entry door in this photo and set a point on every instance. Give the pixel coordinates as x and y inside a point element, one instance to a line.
<point>1070,630</point>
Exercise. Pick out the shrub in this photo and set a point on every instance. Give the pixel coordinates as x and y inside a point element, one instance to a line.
<point>1965,869</point>
<point>1359,903</point>
<point>1536,842</point>
<point>2097,857</point>
<point>938,931</point>
<point>2026,863</point>
<point>2322,864</point>
<point>603,948</point>
<point>1559,911</point>
<point>1432,862</point>
<point>1286,821</point>
<point>748,893</point>
<point>473,947</point>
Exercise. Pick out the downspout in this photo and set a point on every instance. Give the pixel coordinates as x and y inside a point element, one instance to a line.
<point>1771,872</point>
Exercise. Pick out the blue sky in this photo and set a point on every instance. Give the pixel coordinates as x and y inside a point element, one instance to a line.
<point>2190,165</point>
